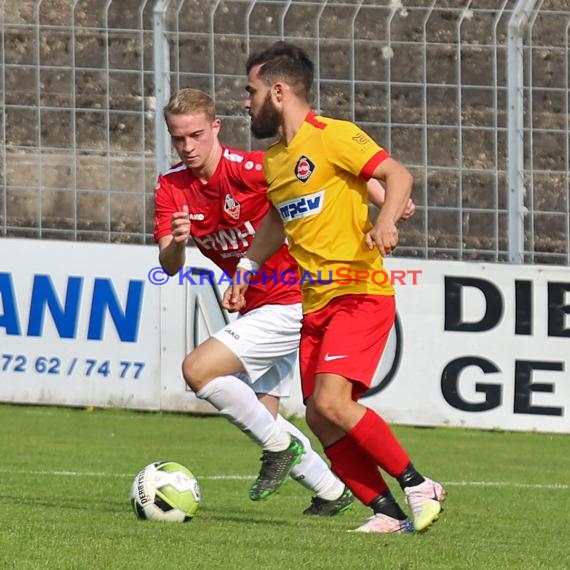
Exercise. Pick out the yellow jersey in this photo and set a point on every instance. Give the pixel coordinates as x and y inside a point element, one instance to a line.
<point>318,185</point>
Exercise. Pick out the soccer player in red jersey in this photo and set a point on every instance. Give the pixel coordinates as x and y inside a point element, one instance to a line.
<point>317,173</point>
<point>217,196</point>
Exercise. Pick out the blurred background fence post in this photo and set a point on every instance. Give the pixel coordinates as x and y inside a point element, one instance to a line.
<point>162,85</point>
<point>516,138</point>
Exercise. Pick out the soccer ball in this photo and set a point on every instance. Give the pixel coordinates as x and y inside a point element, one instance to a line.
<point>165,491</point>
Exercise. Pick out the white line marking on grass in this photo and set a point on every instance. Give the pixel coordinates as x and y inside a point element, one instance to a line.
<point>63,473</point>
<point>560,486</point>
<point>550,486</point>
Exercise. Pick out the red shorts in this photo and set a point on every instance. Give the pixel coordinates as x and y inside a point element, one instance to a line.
<point>346,337</point>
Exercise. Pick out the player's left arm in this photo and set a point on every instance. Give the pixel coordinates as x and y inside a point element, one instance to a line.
<point>377,195</point>
<point>397,182</point>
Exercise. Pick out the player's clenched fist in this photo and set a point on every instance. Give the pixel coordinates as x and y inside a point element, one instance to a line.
<point>181,226</point>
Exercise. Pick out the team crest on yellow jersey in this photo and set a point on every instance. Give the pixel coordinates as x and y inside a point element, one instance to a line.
<point>304,168</point>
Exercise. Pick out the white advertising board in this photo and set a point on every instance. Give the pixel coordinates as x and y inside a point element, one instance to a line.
<point>475,345</point>
<point>79,324</point>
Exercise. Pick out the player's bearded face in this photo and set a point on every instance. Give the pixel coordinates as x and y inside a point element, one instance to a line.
<point>265,123</point>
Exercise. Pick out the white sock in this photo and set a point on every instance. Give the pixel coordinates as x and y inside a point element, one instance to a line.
<point>312,471</point>
<point>237,402</point>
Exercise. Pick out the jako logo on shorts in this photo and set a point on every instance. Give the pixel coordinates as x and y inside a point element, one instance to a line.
<point>301,207</point>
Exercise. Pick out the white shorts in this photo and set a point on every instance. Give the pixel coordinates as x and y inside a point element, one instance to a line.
<point>266,340</point>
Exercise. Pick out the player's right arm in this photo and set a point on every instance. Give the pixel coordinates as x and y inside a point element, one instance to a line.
<point>397,182</point>
<point>269,237</point>
<point>172,248</point>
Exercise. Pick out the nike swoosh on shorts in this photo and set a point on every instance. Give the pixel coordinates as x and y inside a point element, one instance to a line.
<point>329,357</point>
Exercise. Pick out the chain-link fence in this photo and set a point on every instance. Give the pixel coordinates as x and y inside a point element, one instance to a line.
<point>435,81</point>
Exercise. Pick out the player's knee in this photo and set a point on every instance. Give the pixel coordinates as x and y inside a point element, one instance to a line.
<point>328,408</point>
<point>193,373</point>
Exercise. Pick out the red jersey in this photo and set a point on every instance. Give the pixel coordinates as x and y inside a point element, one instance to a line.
<point>224,215</point>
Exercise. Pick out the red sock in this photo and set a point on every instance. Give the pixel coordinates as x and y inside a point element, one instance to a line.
<point>373,435</point>
<point>356,469</point>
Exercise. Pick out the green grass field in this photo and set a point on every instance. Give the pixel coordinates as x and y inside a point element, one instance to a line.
<point>66,475</point>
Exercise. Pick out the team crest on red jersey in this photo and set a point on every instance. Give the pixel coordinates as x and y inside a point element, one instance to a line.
<point>304,168</point>
<point>232,207</point>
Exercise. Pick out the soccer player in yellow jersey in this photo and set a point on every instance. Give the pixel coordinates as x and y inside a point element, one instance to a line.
<point>317,173</point>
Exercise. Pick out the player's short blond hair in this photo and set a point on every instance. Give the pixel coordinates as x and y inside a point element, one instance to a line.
<point>190,102</point>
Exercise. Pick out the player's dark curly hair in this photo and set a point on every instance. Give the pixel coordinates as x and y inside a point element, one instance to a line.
<point>285,61</point>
